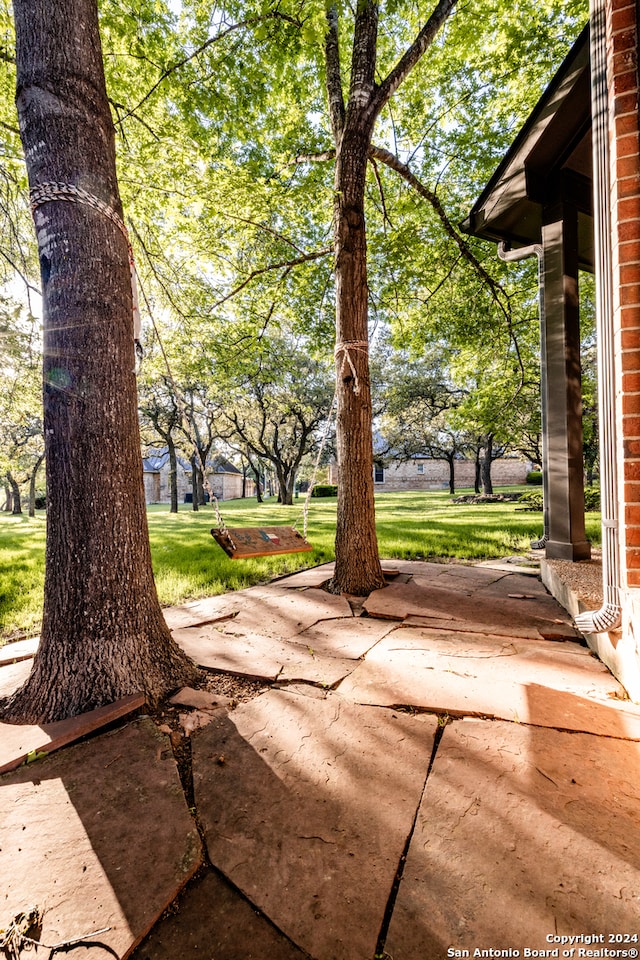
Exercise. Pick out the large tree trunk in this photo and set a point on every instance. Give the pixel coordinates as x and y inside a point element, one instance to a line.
<point>103,633</point>
<point>357,569</point>
<point>8,498</point>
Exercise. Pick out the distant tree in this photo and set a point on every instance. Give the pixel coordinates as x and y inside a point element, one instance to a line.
<point>276,412</point>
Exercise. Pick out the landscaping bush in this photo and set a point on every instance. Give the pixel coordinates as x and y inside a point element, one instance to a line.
<point>534,477</point>
<point>325,490</point>
<point>592,498</point>
<point>532,502</point>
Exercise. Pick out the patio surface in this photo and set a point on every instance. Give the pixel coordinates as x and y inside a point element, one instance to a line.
<point>442,770</point>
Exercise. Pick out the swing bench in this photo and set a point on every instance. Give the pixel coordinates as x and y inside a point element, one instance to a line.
<point>240,543</point>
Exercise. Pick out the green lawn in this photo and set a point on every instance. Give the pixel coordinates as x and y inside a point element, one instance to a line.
<point>188,563</point>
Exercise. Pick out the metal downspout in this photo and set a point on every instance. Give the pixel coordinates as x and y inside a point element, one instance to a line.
<point>609,616</point>
<point>512,256</point>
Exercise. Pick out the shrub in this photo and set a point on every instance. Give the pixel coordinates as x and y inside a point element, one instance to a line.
<point>532,502</point>
<point>325,490</point>
<point>592,498</point>
<point>534,477</point>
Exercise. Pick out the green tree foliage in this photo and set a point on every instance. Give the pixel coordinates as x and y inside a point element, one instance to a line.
<point>21,432</point>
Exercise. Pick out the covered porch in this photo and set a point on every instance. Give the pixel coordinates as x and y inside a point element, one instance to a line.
<point>568,193</point>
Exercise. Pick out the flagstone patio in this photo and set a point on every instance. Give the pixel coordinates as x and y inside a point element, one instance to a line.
<point>452,770</point>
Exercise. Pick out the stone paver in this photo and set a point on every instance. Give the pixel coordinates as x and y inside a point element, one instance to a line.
<point>12,676</point>
<point>209,610</point>
<point>308,796</point>
<point>79,838</point>
<point>215,921</point>
<point>260,656</point>
<point>522,832</point>
<point>21,741</point>
<point>350,638</point>
<point>313,577</point>
<point>556,685</point>
<point>306,805</point>
<point>422,598</point>
<point>281,612</point>
<point>18,650</point>
<point>426,568</point>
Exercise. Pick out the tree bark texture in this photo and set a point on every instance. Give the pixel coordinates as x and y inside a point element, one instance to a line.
<point>103,633</point>
<point>357,570</point>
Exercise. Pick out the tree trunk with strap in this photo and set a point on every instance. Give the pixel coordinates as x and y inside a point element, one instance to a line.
<point>358,570</point>
<point>103,634</point>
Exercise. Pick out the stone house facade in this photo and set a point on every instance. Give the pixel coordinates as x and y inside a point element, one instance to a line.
<point>225,479</point>
<point>425,473</point>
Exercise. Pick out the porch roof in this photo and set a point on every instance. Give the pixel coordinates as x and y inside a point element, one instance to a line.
<point>548,163</point>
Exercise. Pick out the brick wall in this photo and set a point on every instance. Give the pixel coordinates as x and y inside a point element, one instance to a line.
<point>622,67</point>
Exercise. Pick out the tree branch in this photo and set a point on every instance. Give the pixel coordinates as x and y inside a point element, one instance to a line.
<point>305,258</point>
<point>252,21</point>
<point>500,296</point>
<point>363,59</point>
<point>411,57</point>
<point>316,157</point>
<point>333,73</point>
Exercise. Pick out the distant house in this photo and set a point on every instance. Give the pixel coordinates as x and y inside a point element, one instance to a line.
<point>225,479</point>
<point>155,469</point>
<point>423,472</point>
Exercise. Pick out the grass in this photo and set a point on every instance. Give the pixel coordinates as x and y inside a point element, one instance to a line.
<point>188,563</point>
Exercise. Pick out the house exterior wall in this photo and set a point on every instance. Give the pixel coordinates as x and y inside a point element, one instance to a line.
<point>620,649</point>
<point>156,485</point>
<point>427,474</point>
<point>622,68</point>
<point>226,486</point>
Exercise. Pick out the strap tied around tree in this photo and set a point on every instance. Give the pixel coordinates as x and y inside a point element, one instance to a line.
<point>49,192</point>
<point>344,348</point>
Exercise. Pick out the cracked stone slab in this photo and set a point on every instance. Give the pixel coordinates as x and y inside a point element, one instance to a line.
<point>214,920</point>
<point>512,566</point>
<point>209,610</point>
<point>20,741</point>
<point>79,838</point>
<point>12,676</point>
<point>349,638</point>
<point>522,832</point>
<point>549,631</point>
<point>306,805</point>
<point>549,684</point>
<point>260,656</point>
<point>459,571</point>
<point>423,598</point>
<point>312,577</point>
<point>282,612</point>
<point>18,650</point>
